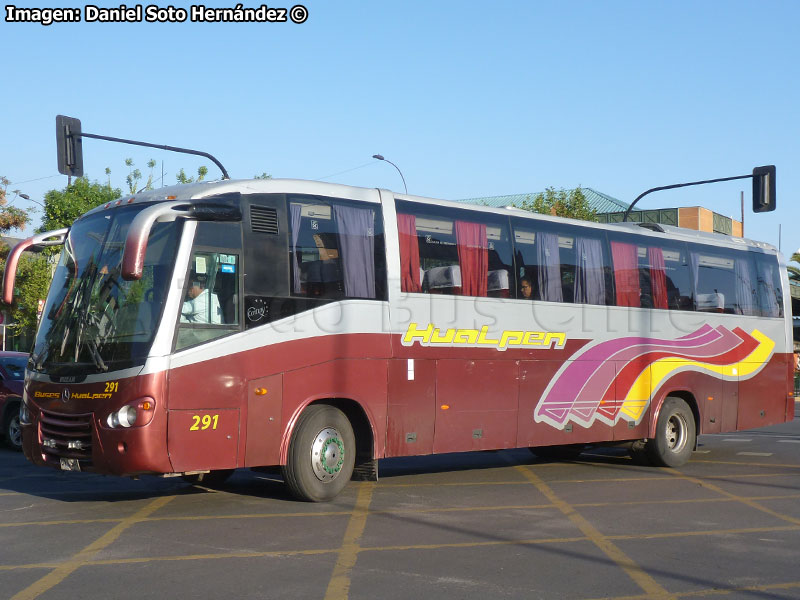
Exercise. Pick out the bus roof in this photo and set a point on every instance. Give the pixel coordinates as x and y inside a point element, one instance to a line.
<point>203,189</point>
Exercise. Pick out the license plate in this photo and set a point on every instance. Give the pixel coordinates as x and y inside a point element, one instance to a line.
<point>70,464</point>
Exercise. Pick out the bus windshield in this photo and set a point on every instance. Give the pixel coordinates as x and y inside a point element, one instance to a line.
<point>93,319</point>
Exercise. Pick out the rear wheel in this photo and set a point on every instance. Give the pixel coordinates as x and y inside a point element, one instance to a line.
<point>11,429</point>
<point>211,479</point>
<point>676,434</point>
<point>564,452</point>
<point>321,455</point>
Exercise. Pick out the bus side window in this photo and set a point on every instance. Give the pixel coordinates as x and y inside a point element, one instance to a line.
<point>725,281</point>
<point>446,251</point>
<point>561,264</point>
<point>211,299</point>
<point>768,286</point>
<point>335,249</point>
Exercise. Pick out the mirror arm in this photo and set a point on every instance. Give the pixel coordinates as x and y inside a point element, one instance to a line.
<point>42,239</point>
<point>139,231</point>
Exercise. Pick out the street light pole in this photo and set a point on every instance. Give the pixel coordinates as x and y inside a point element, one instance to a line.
<point>29,199</point>
<point>380,157</point>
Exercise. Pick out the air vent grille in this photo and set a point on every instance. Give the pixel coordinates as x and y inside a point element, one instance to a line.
<point>264,220</point>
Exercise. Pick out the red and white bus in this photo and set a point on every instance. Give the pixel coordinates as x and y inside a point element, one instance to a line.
<point>202,328</point>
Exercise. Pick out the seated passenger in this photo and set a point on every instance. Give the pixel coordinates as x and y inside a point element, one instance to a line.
<point>201,305</point>
<point>526,288</point>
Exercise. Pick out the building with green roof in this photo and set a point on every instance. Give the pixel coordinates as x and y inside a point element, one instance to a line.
<point>612,210</point>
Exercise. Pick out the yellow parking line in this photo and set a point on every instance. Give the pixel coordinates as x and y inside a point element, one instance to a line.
<point>339,584</point>
<point>651,587</point>
<point>745,463</point>
<point>405,511</point>
<point>716,591</point>
<point>56,576</point>
<point>742,499</point>
<point>404,547</point>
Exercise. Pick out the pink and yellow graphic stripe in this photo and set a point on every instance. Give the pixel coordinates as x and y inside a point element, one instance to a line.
<point>617,379</point>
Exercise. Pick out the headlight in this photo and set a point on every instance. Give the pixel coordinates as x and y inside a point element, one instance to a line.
<point>141,411</point>
<point>124,417</point>
<point>127,416</point>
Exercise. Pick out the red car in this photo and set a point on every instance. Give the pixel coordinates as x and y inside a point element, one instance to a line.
<point>12,375</point>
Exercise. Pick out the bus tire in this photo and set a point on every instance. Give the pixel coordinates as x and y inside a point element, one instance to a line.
<point>562,452</point>
<point>321,454</point>
<point>211,479</point>
<point>676,434</point>
<point>11,428</point>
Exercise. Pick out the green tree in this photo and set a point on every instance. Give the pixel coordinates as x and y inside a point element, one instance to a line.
<point>33,279</point>
<point>202,171</point>
<point>263,175</point>
<point>62,207</point>
<point>794,270</point>
<point>561,203</point>
<point>11,217</point>
<point>135,175</point>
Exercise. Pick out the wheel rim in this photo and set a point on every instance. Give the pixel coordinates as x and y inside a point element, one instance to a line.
<point>15,432</point>
<point>327,454</point>
<point>676,433</point>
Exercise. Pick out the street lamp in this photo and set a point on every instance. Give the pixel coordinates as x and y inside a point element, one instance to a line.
<point>380,157</point>
<point>26,197</point>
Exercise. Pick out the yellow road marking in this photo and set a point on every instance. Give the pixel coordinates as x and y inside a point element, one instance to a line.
<point>745,464</point>
<point>406,511</point>
<point>633,570</point>
<point>441,546</point>
<point>339,585</point>
<point>63,571</point>
<point>742,499</point>
<point>717,591</point>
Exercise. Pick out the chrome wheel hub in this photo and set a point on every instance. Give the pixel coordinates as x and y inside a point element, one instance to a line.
<point>676,433</point>
<point>15,432</point>
<point>327,454</point>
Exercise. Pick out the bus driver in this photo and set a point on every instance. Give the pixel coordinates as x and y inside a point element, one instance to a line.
<point>201,305</point>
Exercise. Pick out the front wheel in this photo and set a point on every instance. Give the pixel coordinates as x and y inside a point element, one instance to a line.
<point>676,434</point>
<point>321,454</point>
<point>11,428</point>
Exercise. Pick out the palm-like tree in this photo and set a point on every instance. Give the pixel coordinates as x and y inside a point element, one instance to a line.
<point>794,270</point>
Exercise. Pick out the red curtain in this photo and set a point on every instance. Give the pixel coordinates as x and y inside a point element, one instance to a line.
<point>626,274</point>
<point>658,277</point>
<point>473,257</point>
<point>409,253</point>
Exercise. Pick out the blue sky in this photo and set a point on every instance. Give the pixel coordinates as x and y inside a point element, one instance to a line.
<point>467,98</point>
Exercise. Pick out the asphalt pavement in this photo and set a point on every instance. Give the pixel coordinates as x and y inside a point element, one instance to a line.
<point>480,525</point>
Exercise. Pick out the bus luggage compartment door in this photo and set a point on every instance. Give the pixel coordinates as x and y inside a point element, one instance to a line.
<point>204,439</point>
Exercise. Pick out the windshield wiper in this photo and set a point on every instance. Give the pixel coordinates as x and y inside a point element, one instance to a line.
<point>95,354</point>
<point>38,362</point>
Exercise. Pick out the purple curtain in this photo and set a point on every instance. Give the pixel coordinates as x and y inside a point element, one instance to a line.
<point>295,216</point>
<point>590,284</point>
<point>549,272</point>
<point>356,229</point>
<point>745,300</point>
